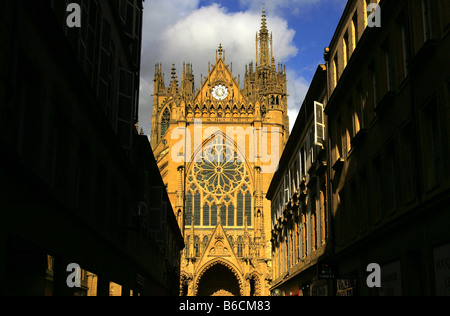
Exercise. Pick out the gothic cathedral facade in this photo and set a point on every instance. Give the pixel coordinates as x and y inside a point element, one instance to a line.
<point>217,149</point>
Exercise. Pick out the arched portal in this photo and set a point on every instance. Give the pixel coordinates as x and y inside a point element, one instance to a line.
<point>255,285</point>
<point>219,279</point>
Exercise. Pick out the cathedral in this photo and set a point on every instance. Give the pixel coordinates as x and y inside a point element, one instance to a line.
<point>217,148</point>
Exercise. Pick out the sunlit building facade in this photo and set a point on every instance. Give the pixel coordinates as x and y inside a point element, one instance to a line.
<point>217,148</point>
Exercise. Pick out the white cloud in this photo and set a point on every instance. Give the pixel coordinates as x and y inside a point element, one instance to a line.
<point>297,88</point>
<point>279,7</point>
<point>178,31</point>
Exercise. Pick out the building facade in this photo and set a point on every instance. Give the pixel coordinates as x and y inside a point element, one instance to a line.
<point>298,194</point>
<point>388,140</point>
<point>79,185</point>
<point>217,149</point>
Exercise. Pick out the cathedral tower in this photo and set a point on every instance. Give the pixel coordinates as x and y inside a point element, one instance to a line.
<point>217,148</point>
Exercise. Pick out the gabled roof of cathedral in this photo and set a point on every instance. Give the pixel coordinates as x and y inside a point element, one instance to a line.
<point>219,247</point>
<point>220,74</point>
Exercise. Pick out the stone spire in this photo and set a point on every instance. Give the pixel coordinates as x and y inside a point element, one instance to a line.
<point>263,43</point>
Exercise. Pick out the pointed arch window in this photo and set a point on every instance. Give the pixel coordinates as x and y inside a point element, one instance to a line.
<point>189,209</point>
<point>214,215</point>
<point>240,246</point>
<point>197,209</point>
<point>248,208</point>
<point>165,121</point>
<point>231,215</point>
<point>224,186</point>
<point>240,209</point>
<point>205,214</point>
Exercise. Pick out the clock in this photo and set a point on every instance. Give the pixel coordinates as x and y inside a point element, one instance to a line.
<point>220,92</point>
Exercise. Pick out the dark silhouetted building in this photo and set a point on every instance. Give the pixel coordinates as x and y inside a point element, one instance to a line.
<point>388,113</point>
<point>78,183</point>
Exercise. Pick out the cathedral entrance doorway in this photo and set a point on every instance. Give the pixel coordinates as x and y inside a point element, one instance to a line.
<point>218,280</point>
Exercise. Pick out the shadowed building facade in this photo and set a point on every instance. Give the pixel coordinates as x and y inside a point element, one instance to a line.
<point>217,148</point>
<point>386,148</point>
<point>78,183</point>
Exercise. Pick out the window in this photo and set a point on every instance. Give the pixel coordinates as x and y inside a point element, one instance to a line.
<point>408,163</point>
<point>323,217</point>
<point>240,209</point>
<point>248,208</point>
<point>165,121</point>
<point>286,188</point>
<point>319,124</point>
<point>205,215</point>
<point>356,126</point>
<point>223,214</point>
<point>346,49</point>
<point>355,35</point>
<point>426,20</point>
<point>189,209</point>
<point>240,246</point>
<point>314,232</point>
<point>432,145</point>
<point>342,217</point>
<point>362,105</point>
<point>405,48</point>
<point>338,138</point>
<point>303,162</point>
<point>388,65</point>
<point>197,209</point>
<point>349,128</point>
<point>311,147</point>
<point>230,215</point>
<point>353,216</point>
<point>213,214</point>
<point>390,176</point>
<point>363,200</point>
<point>377,196</point>
<point>373,78</point>
<point>292,179</point>
<point>335,69</point>
<point>219,179</point>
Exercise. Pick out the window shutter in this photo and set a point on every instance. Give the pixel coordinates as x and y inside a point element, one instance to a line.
<point>319,124</point>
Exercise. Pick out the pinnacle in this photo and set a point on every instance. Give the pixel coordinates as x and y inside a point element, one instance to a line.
<point>264,22</point>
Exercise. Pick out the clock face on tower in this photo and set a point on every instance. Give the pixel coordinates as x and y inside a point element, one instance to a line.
<point>220,92</point>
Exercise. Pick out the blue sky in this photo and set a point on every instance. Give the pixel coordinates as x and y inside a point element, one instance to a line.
<point>177,31</point>
<point>314,23</point>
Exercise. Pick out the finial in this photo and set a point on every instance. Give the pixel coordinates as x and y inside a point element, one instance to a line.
<point>263,22</point>
<point>173,71</point>
<point>220,51</point>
